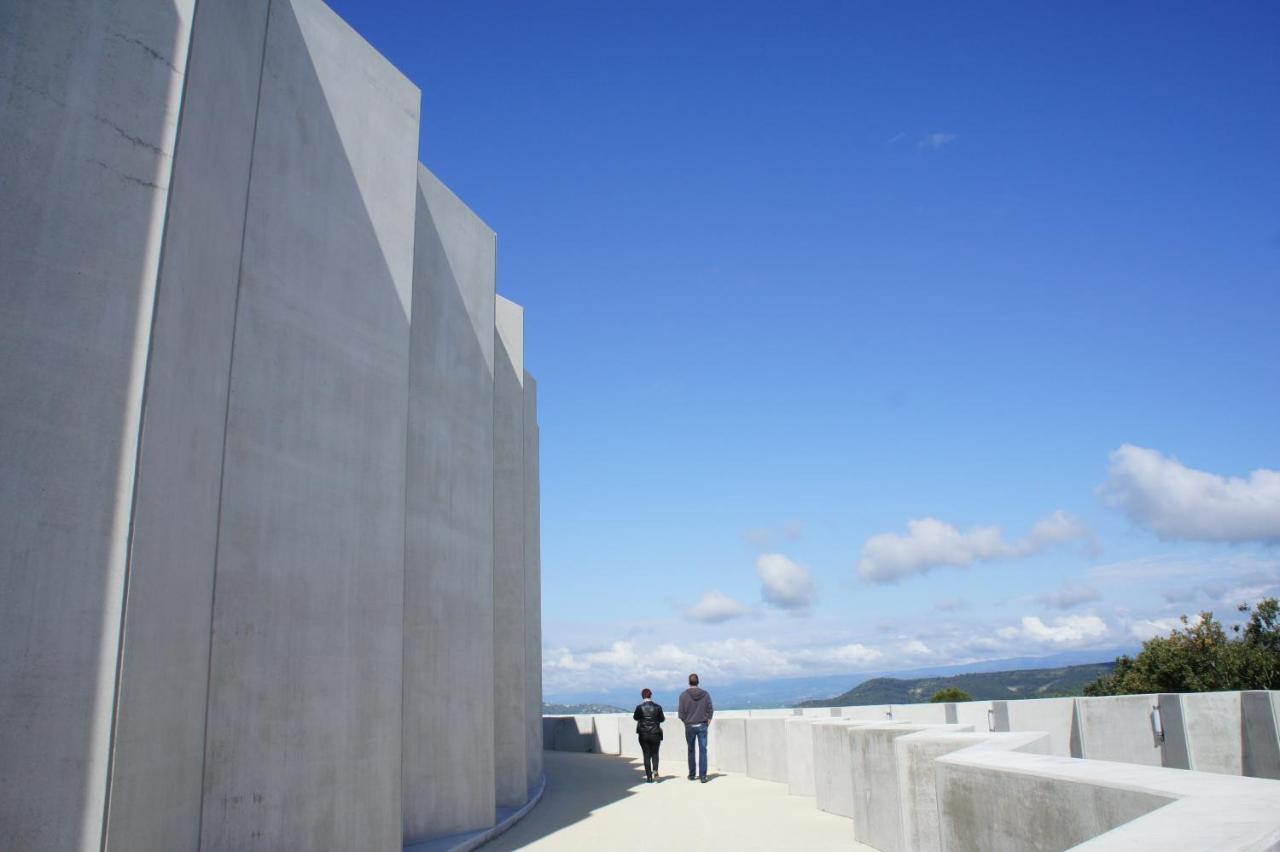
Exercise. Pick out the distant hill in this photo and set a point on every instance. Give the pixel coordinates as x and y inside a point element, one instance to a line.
<point>983,686</point>
<point>574,709</point>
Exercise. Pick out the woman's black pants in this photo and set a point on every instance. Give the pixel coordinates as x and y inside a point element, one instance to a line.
<point>649,747</point>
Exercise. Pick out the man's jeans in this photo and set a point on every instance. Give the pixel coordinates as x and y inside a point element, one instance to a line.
<point>698,732</point>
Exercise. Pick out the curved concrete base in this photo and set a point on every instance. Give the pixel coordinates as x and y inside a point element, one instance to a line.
<point>507,817</point>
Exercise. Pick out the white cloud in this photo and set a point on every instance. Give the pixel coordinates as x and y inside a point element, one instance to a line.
<point>783,583</point>
<point>1065,631</point>
<point>1145,628</point>
<point>1178,502</point>
<point>716,608</point>
<point>936,141</point>
<point>841,656</point>
<point>916,648</point>
<point>930,543</point>
<point>1071,594</point>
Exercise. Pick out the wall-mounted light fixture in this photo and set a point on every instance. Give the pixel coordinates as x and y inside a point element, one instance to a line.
<point>1157,724</point>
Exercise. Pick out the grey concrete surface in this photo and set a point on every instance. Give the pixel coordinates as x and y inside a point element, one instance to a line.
<point>448,771</point>
<point>1118,727</point>
<point>833,767</point>
<point>1054,716</point>
<point>767,749</point>
<point>919,714</point>
<point>1214,734</point>
<point>727,745</point>
<point>867,713</point>
<point>90,96</point>
<point>600,802</point>
<point>606,733</point>
<point>532,587</point>
<point>799,735</point>
<point>302,745</point>
<point>976,713</point>
<point>156,780</point>
<point>1261,734</point>
<point>510,695</point>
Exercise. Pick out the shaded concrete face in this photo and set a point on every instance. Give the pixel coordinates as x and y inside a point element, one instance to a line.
<point>767,749</point>
<point>800,757</point>
<point>302,747</point>
<point>532,589</point>
<point>510,693</point>
<point>1118,728</point>
<point>1261,733</point>
<point>159,739</point>
<point>90,97</point>
<point>448,584</point>
<point>833,768</point>
<point>1054,716</point>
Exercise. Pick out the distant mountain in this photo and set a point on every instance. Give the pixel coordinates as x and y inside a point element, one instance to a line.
<point>787,692</point>
<point>573,709</point>
<point>982,686</point>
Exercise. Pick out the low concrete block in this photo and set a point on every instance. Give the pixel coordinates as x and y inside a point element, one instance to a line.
<point>1260,733</point>
<point>1118,727</point>
<point>773,712</point>
<point>572,733</point>
<point>819,712</point>
<point>1054,716</point>
<point>799,735</point>
<point>866,713</point>
<point>727,744</point>
<point>767,749</point>
<point>606,733</point>
<point>1212,727</point>
<point>976,713</point>
<point>920,714</point>
<point>833,767</point>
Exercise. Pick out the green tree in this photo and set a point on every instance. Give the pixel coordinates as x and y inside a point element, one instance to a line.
<point>950,693</point>
<point>1202,656</point>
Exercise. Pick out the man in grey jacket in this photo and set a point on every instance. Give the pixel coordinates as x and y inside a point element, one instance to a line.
<point>695,711</point>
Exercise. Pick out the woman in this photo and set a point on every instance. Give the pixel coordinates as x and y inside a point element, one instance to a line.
<point>649,719</point>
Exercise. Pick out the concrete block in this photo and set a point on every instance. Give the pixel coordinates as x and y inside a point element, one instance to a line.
<point>448,587</point>
<point>922,714</point>
<point>157,773</point>
<point>976,713</point>
<point>877,809</point>
<point>510,693</point>
<point>305,689</point>
<point>1260,733</point>
<point>867,713</point>
<point>833,767</point>
<point>1118,727</point>
<point>773,713</point>
<point>727,744</point>
<point>767,749</point>
<point>1054,716</point>
<point>574,734</point>
<point>91,94</point>
<point>820,712</point>
<point>1210,724</point>
<point>532,587</point>
<point>917,775</point>
<point>799,733</point>
<point>606,733</point>
<point>549,732</point>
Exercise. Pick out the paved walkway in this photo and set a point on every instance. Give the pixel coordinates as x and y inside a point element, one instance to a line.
<point>595,801</point>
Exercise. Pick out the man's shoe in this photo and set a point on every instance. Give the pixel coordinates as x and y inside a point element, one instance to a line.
<point>692,777</point>
<point>703,779</point>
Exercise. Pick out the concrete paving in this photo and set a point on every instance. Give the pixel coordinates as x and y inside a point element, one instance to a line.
<point>602,802</point>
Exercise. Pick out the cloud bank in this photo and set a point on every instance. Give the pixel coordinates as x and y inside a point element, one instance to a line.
<point>716,608</point>
<point>1174,501</point>
<point>930,543</point>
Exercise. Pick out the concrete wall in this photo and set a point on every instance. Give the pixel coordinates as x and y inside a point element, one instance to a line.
<point>510,694</point>
<point>833,768</point>
<point>1259,712</point>
<point>727,744</point>
<point>156,782</point>
<point>1118,728</point>
<point>1054,716</point>
<point>448,771</point>
<point>976,713</point>
<point>87,133</point>
<point>532,589</point>
<point>305,668</point>
<point>799,734</point>
<point>1210,726</point>
<point>867,713</point>
<point>767,749</point>
<point>234,633</point>
<point>606,731</point>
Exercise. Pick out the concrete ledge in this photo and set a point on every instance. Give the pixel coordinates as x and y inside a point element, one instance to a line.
<point>506,818</point>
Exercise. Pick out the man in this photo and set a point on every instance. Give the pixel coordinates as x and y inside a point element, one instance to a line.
<point>695,711</point>
<point>649,718</point>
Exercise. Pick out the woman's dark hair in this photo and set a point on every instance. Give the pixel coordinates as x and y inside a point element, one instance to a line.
<point>646,693</point>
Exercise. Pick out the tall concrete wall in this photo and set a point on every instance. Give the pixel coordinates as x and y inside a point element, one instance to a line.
<point>247,414</point>
<point>532,588</point>
<point>157,774</point>
<point>448,586</point>
<point>305,670</point>
<point>89,106</point>
<point>510,695</point>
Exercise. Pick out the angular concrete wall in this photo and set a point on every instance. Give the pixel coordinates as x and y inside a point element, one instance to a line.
<point>726,745</point>
<point>767,749</point>
<point>532,588</point>
<point>160,724</point>
<point>91,95</point>
<point>1118,728</point>
<point>800,780</point>
<point>448,586</point>
<point>305,670</point>
<point>1054,716</point>
<point>510,695</point>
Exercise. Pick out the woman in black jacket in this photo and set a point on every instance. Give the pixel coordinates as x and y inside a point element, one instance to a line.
<point>649,719</point>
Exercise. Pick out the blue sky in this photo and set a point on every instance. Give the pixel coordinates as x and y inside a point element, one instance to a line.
<point>797,276</point>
